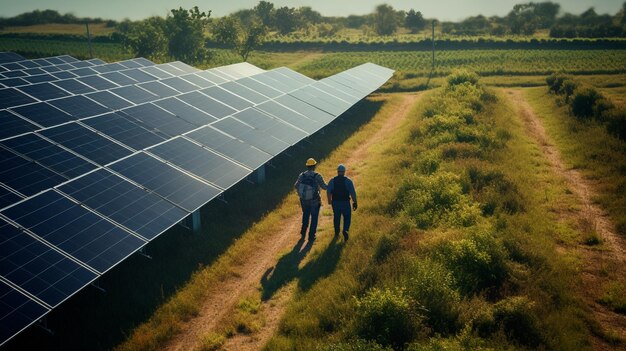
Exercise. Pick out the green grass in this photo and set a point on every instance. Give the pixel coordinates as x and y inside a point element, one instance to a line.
<point>456,212</point>
<point>33,48</point>
<point>586,146</point>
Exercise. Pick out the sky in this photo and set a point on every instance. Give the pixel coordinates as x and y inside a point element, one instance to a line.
<point>440,9</point>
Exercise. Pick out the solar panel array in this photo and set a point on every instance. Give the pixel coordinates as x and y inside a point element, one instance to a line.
<point>98,158</point>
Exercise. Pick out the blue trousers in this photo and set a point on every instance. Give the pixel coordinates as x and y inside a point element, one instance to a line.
<point>310,211</point>
<point>342,208</point>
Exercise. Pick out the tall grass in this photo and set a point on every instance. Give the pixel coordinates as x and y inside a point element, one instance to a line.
<point>454,238</point>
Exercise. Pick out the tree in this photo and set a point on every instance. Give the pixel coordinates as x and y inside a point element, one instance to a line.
<point>545,13</point>
<point>185,32</point>
<point>144,38</point>
<point>414,21</point>
<point>242,39</point>
<point>522,19</point>
<point>265,11</point>
<point>287,19</point>
<point>385,20</point>
<point>309,16</point>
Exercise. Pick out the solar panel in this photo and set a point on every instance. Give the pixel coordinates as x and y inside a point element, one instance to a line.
<point>134,94</point>
<point>156,72</point>
<point>73,86</point>
<point>49,155</point>
<point>40,78</point>
<point>37,268</point>
<point>259,87</point>
<point>43,114</point>
<point>43,91</point>
<point>244,92</point>
<point>155,118</point>
<point>159,89</point>
<point>308,110</point>
<point>11,125</point>
<point>185,111</point>
<point>13,82</point>
<point>79,106</point>
<point>119,78</point>
<point>97,82</point>
<point>211,77</point>
<point>124,131</point>
<point>271,126</point>
<point>10,57</point>
<point>254,137</point>
<point>170,183</point>
<point>75,230</point>
<point>227,97</point>
<point>7,197</point>
<point>86,143</point>
<point>197,80</point>
<point>143,212</point>
<point>138,75</point>
<point>12,97</point>
<point>230,147</point>
<point>207,104</point>
<point>24,175</point>
<point>109,100</point>
<point>201,162</point>
<point>17,311</point>
<point>179,84</point>
<point>295,119</point>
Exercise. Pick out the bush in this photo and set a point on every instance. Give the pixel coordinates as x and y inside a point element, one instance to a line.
<point>514,316</point>
<point>462,76</point>
<point>583,102</point>
<point>477,263</point>
<point>555,82</point>
<point>356,345</point>
<point>568,88</point>
<point>616,122</point>
<point>388,317</point>
<point>432,285</point>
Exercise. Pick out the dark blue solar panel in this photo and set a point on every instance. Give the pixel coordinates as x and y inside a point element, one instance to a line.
<point>111,67</point>
<point>259,87</point>
<point>75,230</point>
<point>272,126</point>
<point>134,94</point>
<point>40,78</point>
<point>227,97</point>
<point>168,182</point>
<point>43,91</point>
<point>244,92</point>
<point>26,176</point>
<point>201,162</point>
<point>179,84</point>
<point>155,118</point>
<point>13,82</point>
<point>11,125</point>
<point>159,89</point>
<point>34,71</point>
<point>97,83</point>
<point>55,60</point>
<point>289,116</point>
<point>143,61</point>
<point>230,147</point>
<point>86,143</point>
<point>130,64</point>
<point>50,155</point>
<point>280,85</point>
<point>302,107</point>
<point>154,71</point>
<point>143,212</point>
<point>207,104</point>
<point>64,75</point>
<point>81,64</point>
<point>17,311</point>
<point>37,268</point>
<point>79,106</point>
<point>51,69</point>
<point>138,75</point>
<point>12,97</point>
<point>183,67</point>
<point>7,197</point>
<point>170,69</point>
<point>109,100</point>
<point>97,61</point>
<point>119,79</point>
<point>15,74</point>
<point>44,114</point>
<point>211,77</point>
<point>10,57</point>
<point>82,72</point>
<point>123,130</point>
<point>74,86</point>
<point>185,111</point>
<point>251,136</point>
<point>198,80</point>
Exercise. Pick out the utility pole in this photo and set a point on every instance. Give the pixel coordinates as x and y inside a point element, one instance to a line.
<point>89,40</point>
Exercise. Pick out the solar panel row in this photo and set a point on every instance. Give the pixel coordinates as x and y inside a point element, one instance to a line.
<point>89,175</point>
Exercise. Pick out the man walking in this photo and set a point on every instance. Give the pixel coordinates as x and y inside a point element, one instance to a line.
<point>340,191</point>
<point>308,187</point>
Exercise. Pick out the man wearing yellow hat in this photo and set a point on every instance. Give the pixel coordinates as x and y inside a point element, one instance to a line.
<point>308,187</point>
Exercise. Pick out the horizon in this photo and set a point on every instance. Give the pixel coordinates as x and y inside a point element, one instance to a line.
<point>445,10</point>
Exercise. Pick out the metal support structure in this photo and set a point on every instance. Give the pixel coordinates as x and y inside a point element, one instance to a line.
<point>43,324</point>
<point>96,284</point>
<point>196,221</point>
<point>143,253</point>
<point>260,175</point>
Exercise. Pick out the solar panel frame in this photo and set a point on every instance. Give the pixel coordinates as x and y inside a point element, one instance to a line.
<point>25,176</point>
<point>43,114</point>
<point>17,312</point>
<point>120,128</point>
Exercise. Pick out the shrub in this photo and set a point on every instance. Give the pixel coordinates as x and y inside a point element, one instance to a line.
<point>515,316</point>
<point>616,122</point>
<point>555,81</point>
<point>601,108</point>
<point>432,285</point>
<point>356,345</point>
<point>462,76</point>
<point>387,317</point>
<point>477,263</point>
<point>583,102</point>
<point>568,88</point>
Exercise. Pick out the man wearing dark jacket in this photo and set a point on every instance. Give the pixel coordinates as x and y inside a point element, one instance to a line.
<point>340,191</point>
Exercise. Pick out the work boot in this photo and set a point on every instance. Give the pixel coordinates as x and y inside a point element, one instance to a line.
<point>345,236</point>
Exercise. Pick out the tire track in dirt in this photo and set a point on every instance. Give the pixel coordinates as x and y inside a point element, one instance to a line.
<point>597,261</point>
<point>225,295</point>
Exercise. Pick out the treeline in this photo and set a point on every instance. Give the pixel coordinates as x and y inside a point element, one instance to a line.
<point>48,17</point>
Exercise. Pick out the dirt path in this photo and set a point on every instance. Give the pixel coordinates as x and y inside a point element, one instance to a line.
<point>226,294</point>
<point>601,264</point>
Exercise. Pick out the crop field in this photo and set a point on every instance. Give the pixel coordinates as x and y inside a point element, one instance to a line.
<point>59,28</point>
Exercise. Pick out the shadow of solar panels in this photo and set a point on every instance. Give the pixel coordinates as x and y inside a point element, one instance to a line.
<point>75,230</point>
<point>97,159</point>
<point>39,269</point>
<point>201,162</point>
<point>143,212</point>
<point>17,311</point>
<point>168,182</point>
<point>230,147</point>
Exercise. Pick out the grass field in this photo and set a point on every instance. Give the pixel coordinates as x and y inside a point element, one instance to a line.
<point>57,28</point>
